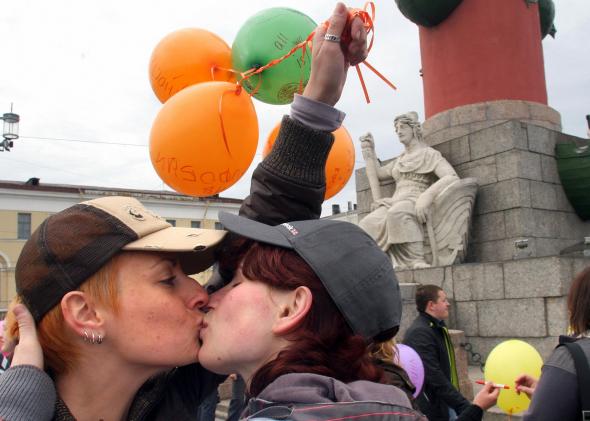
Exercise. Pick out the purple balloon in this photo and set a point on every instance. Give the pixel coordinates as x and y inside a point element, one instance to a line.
<point>412,363</point>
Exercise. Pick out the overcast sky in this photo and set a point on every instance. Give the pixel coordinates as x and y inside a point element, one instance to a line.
<point>78,70</point>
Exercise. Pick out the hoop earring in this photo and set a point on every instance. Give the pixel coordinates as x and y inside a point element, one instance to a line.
<point>86,337</point>
<point>99,340</point>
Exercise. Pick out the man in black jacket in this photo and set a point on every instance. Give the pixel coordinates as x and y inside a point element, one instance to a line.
<point>428,335</point>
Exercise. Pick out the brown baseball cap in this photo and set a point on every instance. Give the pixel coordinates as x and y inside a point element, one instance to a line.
<point>70,246</point>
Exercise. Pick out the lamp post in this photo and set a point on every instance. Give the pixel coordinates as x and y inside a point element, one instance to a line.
<point>10,130</point>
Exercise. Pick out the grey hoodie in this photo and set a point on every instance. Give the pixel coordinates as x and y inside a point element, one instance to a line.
<point>304,396</point>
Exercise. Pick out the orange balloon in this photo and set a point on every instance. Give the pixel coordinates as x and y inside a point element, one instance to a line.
<point>186,57</point>
<point>340,162</point>
<point>204,138</point>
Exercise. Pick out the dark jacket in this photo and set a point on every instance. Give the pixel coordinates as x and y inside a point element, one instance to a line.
<point>557,396</point>
<point>288,185</point>
<point>396,376</point>
<point>426,337</point>
<point>304,396</point>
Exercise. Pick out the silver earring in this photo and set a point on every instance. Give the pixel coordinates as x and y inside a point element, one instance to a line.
<point>99,340</point>
<point>93,338</point>
<point>86,337</point>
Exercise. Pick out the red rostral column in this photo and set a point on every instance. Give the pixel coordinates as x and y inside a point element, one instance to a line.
<point>485,50</point>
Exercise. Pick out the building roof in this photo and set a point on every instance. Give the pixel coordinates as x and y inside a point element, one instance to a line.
<point>34,184</point>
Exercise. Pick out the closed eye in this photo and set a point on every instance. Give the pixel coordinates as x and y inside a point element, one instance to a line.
<point>169,282</point>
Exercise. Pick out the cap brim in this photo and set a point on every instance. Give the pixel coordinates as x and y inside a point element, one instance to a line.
<point>253,230</point>
<point>196,247</point>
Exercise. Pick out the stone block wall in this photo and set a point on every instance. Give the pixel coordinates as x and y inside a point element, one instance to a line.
<point>460,121</point>
<point>492,302</point>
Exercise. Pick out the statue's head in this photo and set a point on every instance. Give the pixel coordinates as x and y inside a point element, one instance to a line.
<point>403,122</point>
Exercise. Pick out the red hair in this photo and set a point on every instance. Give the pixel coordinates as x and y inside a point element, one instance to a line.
<point>324,343</point>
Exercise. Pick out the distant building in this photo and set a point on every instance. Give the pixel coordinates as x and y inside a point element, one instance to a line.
<point>350,215</point>
<point>25,205</point>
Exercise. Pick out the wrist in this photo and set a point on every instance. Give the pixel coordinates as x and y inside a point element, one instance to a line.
<point>320,94</point>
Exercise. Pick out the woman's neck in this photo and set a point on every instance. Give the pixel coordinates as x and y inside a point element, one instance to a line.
<point>101,389</point>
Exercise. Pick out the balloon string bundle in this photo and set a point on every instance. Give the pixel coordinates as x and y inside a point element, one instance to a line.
<point>363,14</point>
<point>367,19</point>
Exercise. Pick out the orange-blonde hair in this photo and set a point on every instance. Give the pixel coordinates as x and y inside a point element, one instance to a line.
<point>60,347</point>
<point>385,351</point>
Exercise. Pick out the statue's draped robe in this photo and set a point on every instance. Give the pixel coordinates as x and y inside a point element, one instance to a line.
<point>393,224</point>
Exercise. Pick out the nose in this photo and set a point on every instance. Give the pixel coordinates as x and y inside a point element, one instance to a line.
<point>196,296</point>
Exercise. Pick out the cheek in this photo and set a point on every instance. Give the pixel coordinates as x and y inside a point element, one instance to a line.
<point>158,320</point>
<point>246,315</point>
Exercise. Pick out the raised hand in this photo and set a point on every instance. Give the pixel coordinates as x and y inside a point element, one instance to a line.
<point>331,58</point>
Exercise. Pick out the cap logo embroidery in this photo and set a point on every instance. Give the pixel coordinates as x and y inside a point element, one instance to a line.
<point>155,215</point>
<point>291,228</point>
<point>135,213</point>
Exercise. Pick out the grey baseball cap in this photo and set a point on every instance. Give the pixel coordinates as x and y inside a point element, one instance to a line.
<point>357,274</point>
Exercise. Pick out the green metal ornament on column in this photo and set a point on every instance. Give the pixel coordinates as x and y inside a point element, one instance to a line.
<point>427,12</point>
<point>573,165</point>
<point>547,16</point>
<point>430,13</point>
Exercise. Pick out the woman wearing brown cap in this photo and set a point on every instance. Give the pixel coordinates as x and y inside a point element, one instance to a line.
<point>115,310</point>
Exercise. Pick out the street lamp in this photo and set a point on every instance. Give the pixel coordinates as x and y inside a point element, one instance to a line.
<point>10,130</point>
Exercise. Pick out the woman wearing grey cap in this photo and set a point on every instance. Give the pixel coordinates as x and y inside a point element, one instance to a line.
<point>94,322</point>
<point>306,299</point>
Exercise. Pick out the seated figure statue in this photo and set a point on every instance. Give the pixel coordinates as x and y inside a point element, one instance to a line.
<point>425,223</point>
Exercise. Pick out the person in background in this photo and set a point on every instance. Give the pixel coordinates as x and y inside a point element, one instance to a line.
<point>238,397</point>
<point>385,353</point>
<point>440,399</point>
<point>4,360</point>
<point>556,395</point>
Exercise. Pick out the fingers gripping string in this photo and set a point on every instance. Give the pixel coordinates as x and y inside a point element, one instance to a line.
<point>367,17</point>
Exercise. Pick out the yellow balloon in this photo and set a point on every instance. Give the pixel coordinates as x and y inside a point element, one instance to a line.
<point>505,363</point>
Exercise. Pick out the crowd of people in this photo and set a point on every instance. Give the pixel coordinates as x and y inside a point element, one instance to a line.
<point>108,325</point>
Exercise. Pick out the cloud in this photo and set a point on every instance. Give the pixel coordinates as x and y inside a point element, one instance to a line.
<point>78,70</point>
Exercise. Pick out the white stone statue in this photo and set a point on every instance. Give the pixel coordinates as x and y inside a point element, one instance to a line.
<point>426,222</point>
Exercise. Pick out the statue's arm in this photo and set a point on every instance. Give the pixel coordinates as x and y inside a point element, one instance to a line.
<point>446,176</point>
<point>374,171</point>
<point>382,173</point>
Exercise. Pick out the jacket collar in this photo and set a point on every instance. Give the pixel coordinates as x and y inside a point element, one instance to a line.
<point>434,322</point>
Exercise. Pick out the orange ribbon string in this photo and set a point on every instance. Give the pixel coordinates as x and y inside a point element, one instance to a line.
<point>358,72</point>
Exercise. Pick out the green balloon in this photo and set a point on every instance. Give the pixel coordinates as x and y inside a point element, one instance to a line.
<point>266,36</point>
